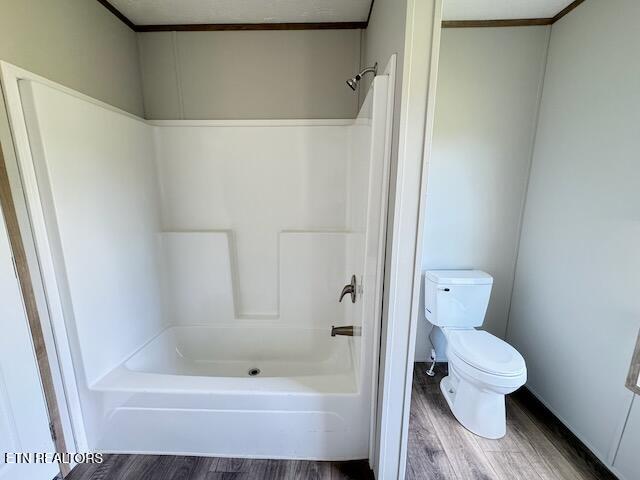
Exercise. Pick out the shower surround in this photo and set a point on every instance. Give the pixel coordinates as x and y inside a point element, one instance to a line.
<point>192,272</point>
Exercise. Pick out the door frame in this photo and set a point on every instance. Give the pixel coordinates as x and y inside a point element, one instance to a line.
<point>404,252</point>
<point>390,72</point>
<point>23,276</point>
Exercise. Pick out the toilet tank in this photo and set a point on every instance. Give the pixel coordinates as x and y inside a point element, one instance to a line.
<point>456,298</point>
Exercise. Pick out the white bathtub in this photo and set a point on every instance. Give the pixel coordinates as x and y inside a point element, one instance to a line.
<point>186,392</point>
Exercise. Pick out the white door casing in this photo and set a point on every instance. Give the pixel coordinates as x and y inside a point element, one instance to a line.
<point>404,252</point>
<point>24,422</point>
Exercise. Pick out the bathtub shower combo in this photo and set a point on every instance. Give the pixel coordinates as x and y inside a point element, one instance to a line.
<point>191,271</point>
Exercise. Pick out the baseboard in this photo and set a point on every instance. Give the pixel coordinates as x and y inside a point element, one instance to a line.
<point>546,416</point>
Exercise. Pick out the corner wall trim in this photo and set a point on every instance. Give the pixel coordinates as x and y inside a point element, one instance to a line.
<point>118,14</point>
<point>370,12</point>
<point>547,418</point>
<point>566,10</point>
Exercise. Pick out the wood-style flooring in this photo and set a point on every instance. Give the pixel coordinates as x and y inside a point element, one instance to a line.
<point>169,467</point>
<point>533,449</point>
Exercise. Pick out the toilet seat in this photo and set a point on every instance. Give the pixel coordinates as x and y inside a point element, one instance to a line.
<point>486,352</point>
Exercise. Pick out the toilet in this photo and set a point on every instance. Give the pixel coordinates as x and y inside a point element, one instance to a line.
<point>482,367</point>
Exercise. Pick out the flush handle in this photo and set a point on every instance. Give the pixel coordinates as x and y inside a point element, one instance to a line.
<point>350,290</point>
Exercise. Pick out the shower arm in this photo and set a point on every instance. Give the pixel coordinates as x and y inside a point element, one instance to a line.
<point>373,70</point>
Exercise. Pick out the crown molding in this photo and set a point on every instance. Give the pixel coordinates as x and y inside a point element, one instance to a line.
<point>218,27</point>
<point>516,22</point>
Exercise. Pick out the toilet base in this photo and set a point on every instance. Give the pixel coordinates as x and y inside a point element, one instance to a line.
<point>479,410</point>
<point>439,343</point>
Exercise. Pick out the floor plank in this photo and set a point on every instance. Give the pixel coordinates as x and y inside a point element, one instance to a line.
<point>225,475</point>
<point>512,465</point>
<point>544,451</point>
<point>146,467</point>
<point>189,468</point>
<point>309,470</point>
<point>229,465</point>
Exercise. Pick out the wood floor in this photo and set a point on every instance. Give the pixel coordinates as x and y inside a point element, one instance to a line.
<point>168,467</point>
<point>441,448</point>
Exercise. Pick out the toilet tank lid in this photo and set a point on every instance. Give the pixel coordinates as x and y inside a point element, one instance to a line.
<point>459,277</point>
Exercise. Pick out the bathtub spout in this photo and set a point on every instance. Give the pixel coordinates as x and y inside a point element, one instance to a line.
<point>349,331</point>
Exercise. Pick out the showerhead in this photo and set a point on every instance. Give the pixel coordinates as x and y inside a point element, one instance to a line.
<point>354,81</point>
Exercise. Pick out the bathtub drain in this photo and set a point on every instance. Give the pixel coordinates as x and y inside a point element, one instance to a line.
<point>253,372</point>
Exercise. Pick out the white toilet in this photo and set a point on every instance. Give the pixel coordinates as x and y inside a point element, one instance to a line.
<point>482,368</point>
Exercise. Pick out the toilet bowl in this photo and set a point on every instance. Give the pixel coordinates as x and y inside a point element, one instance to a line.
<point>482,370</point>
<point>482,367</point>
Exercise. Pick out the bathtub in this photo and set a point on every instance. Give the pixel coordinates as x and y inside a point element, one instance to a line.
<point>186,391</point>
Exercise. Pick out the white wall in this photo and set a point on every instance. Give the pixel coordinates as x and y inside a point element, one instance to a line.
<point>98,185</point>
<point>77,43</point>
<point>576,310</point>
<point>489,86</point>
<point>249,74</point>
<point>384,37</point>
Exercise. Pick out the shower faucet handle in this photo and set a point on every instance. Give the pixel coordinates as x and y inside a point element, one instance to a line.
<point>349,289</point>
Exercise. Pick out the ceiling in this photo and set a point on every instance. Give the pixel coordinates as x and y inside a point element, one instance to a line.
<point>501,9</point>
<point>183,12</point>
<point>167,12</point>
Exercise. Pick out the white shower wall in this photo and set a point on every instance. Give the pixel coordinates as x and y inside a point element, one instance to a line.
<point>237,221</point>
<point>94,206</point>
<point>96,179</point>
<point>270,198</point>
<point>255,218</point>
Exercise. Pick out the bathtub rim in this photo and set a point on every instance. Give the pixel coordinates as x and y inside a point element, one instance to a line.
<point>126,380</point>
